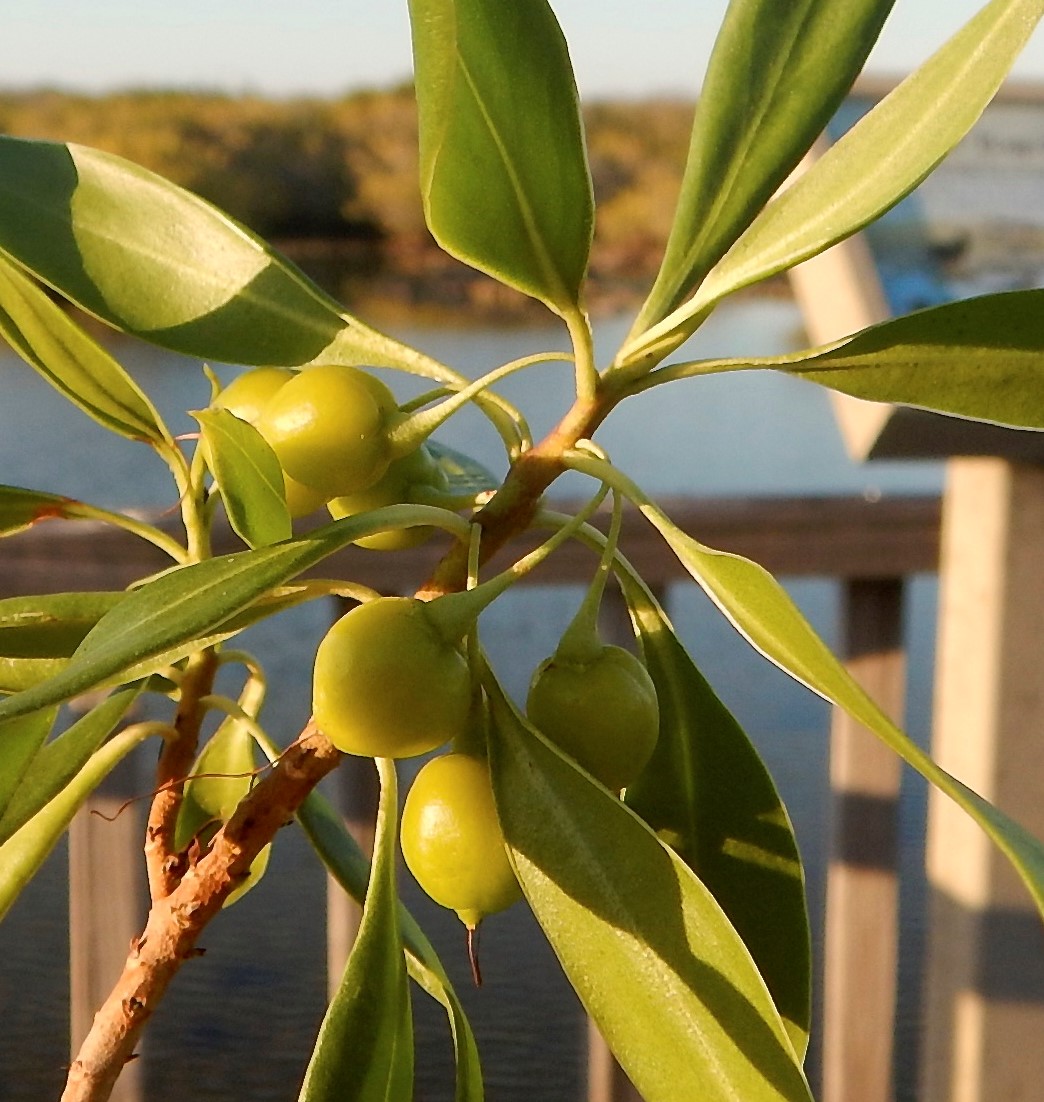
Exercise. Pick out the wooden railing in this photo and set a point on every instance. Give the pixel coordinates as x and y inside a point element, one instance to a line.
<point>868,547</point>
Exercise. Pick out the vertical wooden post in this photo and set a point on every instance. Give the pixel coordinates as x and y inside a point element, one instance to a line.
<point>985,965</point>
<point>861,938</point>
<point>107,906</point>
<point>606,1081</point>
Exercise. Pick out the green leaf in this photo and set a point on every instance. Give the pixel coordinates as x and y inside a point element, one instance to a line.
<point>981,358</point>
<point>21,509</point>
<point>504,174</point>
<point>707,792</point>
<point>17,674</point>
<point>249,477</point>
<point>38,634</point>
<point>47,338</point>
<point>257,870</point>
<point>158,262</point>
<point>221,776</point>
<point>777,74</point>
<point>51,625</point>
<point>648,950</point>
<point>20,740</point>
<point>58,761</point>
<point>192,603</point>
<point>465,476</point>
<point>880,160</point>
<point>27,849</point>
<point>349,866</point>
<point>761,610</point>
<point>365,1048</point>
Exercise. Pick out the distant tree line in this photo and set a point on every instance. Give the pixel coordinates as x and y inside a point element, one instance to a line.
<point>345,170</point>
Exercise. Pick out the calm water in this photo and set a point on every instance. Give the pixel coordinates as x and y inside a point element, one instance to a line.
<point>247,1011</point>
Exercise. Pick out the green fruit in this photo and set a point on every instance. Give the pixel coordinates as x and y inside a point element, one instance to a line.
<point>388,683</point>
<point>248,394</point>
<point>301,500</point>
<point>452,841</point>
<point>602,712</point>
<point>328,426</point>
<point>399,485</point>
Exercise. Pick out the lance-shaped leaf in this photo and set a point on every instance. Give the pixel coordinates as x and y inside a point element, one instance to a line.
<point>365,1048</point>
<point>156,261</point>
<point>504,174</point>
<point>249,477</point>
<point>58,762</point>
<point>21,509</point>
<point>981,358</point>
<point>880,160</point>
<point>27,849</point>
<point>192,603</point>
<point>47,338</point>
<point>777,74</point>
<point>651,955</point>
<point>762,611</point>
<point>759,607</point>
<point>348,865</point>
<point>51,625</point>
<point>38,634</point>
<point>20,740</point>
<point>708,793</point>
<point>17,674</point>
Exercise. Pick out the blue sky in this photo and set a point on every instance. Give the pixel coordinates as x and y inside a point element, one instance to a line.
<point>287,47</point>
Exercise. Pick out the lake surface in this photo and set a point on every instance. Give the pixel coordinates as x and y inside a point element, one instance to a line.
<point>239,1023</point>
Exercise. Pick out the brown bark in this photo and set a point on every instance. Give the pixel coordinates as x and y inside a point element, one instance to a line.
<point>177,919</point>
<point>164,865</point>
<point>511,508</point>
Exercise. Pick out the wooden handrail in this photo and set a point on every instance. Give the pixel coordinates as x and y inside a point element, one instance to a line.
<point>841,537</point>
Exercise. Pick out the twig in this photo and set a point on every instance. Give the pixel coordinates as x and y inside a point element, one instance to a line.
<point>177,919</point>
<point>512,507</point>
<point>163,864</point>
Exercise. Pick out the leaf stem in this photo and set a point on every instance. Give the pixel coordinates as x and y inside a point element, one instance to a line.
<point>194,512</point>
<point>510,423</point>
<point>140,528</point>
<point>413,429</point>
<point>586,463</point>
<point>580,334</point>
<point>455,613</point>
<point>580,642</point>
